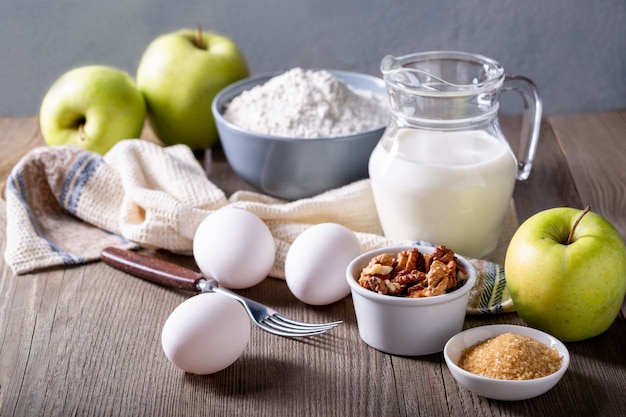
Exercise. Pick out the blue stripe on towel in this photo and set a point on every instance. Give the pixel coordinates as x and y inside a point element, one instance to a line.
<point>485,298</point>
<point>493,289</point>
<point>17,187</point>
<point>499,285</point>
<point>77,176</point>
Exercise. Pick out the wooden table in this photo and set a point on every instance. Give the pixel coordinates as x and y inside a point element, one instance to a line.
<point>86,340</point>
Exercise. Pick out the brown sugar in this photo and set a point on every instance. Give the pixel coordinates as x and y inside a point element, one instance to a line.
<point>511,356</point>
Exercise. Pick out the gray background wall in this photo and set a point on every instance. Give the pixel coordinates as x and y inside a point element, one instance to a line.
<point>574,50</point>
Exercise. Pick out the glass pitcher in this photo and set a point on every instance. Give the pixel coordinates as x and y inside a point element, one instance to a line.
<point>443,172</point>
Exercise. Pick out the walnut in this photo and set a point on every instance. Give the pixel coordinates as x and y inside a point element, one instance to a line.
<point>380,265</point>
<point>378,269</point>
<point>409,277</point>
<point>381,285</point>
<point>438,279</point>
<point>452,275</point>
<point>373,283</point>
<point>410,260</point>
<point>443,254</point>
<point>394,288</point>
<point>416,291</point>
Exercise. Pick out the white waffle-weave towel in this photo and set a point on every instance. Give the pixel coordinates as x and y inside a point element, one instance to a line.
<point>64,205</point>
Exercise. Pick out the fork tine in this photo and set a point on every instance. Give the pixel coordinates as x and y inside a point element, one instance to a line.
<point>299,325</point>
<point>277,328</point>
<point>276,322</point>
<point>290,333</point>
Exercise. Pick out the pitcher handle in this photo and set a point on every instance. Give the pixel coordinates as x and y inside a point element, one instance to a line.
<point>531,121</point>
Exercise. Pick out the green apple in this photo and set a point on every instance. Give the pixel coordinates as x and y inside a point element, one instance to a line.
<point>566,271</point>
<point>93,106</point>
<point>179,74</point>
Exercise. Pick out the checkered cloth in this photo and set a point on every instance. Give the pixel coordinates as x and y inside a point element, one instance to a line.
<point>65,204</point>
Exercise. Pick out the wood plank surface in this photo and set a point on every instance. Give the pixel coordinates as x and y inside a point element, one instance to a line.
<point>85,341</point>
<point>597,165</point>
<point>550,174</point>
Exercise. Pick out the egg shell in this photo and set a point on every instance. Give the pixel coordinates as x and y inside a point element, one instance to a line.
<point>235,247</point>
<point>206,333</point>
<point>315,266</point>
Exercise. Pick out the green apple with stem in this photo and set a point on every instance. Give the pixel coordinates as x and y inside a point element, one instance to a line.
<point>566,271</point>
<point>93,106</point>
<point>179,74</point>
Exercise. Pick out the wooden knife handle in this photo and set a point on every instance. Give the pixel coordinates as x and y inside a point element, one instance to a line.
<point>151,269</point>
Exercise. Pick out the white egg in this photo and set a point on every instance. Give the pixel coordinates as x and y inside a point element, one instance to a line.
<point>315,267</point>
<point>235,247</point>
<point>206,333</point>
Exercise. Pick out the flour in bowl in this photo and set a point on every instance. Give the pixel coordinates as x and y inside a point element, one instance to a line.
<point>307,104</point>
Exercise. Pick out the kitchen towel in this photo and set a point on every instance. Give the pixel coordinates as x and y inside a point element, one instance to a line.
<point>65,204</point>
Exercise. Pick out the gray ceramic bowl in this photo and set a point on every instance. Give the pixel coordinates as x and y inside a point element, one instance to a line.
<point>292,168</point>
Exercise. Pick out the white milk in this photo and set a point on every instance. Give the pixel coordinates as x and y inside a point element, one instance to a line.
<point>448,188</point>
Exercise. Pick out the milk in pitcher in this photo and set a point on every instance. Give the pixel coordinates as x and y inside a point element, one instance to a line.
<point>446,187</point>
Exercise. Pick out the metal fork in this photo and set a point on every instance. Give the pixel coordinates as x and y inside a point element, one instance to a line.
<point>166,273</point>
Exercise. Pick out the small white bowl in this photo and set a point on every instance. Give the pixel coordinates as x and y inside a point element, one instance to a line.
<point>407,326</point>
<point>499,389</point>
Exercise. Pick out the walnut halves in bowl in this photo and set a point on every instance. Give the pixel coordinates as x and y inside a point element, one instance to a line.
<point>411,273</point>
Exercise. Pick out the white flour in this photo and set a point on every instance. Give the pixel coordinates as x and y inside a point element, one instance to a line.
<point>307,104</point>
